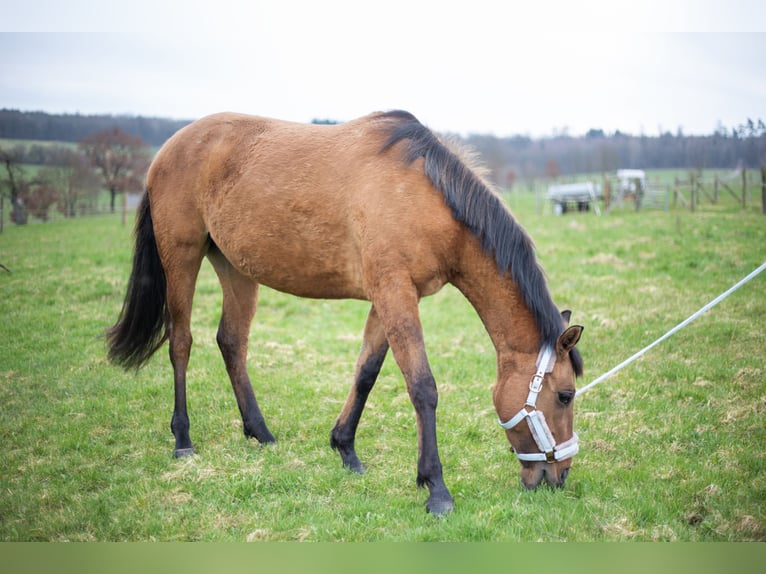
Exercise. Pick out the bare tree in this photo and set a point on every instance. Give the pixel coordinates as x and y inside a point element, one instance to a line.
<point>15,182</point>
<point>73,179</point>
<point>510,179</point>
<point>38,199</point>
<point>552,170</point>
<point>121,160</point>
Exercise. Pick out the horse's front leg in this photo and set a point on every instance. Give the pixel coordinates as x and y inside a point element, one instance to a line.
<point>397,308</point>
<point>371,357</point>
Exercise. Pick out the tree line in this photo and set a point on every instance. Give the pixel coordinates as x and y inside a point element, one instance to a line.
<point>113,153</point>
<point>73,128</point>
<point>526,158</point>
<point>727,147</point>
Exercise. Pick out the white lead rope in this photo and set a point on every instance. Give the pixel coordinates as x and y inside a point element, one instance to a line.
<point>674,330</point>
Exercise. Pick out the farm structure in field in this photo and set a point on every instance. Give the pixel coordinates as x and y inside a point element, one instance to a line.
<point>632,184</point>
<point>577,195</point>
<point>625,185</point>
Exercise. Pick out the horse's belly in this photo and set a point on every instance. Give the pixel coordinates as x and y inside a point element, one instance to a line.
<point>325,274</point>
<point>318,285</point>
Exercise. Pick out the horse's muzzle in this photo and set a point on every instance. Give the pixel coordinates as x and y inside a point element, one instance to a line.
<point>554,474</point>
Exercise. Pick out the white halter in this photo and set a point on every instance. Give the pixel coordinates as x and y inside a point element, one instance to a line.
<point>549,450</point>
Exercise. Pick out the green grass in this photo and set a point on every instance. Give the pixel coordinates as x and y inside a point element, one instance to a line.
<point>672,448</point>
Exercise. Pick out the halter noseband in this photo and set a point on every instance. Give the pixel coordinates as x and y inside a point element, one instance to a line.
<point>549,450</point>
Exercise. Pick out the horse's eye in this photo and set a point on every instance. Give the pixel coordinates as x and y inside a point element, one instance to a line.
<point>565,397</point>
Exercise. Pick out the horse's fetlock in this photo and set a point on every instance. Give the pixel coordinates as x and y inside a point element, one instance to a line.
<point>179,423</point>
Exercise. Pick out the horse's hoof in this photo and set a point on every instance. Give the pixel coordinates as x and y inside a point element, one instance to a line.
<point>356,467</point>
<point>440,507</point>
<point>259,431</point>
<point>183,452</point>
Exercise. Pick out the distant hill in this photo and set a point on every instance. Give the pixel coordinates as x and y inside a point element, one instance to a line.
<point>16,124</point>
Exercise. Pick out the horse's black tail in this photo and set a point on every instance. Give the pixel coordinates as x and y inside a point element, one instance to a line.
<point>142,326</point>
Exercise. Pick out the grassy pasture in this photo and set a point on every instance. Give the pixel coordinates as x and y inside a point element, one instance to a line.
<point>672,448</point>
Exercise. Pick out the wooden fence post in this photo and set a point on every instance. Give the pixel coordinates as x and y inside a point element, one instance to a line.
<point>693,179</point>
<point>538,204</point>
<point>744,187</point>
<point>715,189</point>
<point>675,191</point>
<point>667,198</point>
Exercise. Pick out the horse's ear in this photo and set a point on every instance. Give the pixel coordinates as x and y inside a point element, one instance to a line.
<point>568,339</point>
<point>566,315</point>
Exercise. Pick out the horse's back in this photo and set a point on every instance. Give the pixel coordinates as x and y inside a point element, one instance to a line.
<point>305,209</point>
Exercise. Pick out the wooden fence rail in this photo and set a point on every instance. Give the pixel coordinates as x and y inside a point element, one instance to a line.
<point>690,192</point>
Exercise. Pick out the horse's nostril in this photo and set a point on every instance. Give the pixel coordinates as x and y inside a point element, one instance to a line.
<point>563,476</point>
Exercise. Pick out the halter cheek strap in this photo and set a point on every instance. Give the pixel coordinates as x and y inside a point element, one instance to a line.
<point>541,433</point>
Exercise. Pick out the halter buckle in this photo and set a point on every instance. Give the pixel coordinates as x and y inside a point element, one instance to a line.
<point>550,456</point>
<point>536,384</point>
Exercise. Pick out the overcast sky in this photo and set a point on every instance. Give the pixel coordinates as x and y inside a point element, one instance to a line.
<point>477,66</point>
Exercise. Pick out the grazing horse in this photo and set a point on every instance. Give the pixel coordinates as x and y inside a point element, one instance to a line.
<point>378,209</point>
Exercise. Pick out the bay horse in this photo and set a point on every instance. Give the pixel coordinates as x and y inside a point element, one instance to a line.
<point>377,209</point>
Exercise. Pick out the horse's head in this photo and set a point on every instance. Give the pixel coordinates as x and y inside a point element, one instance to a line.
<point>535,406</point>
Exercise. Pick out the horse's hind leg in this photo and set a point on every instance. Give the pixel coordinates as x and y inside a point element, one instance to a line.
<point>240,297</point>
<point>374,348</point>
<point>181,280</point>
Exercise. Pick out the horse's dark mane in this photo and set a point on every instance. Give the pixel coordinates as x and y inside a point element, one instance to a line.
<point>474,203</point>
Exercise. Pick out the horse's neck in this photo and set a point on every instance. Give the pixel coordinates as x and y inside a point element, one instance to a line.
<point>498,302</point>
